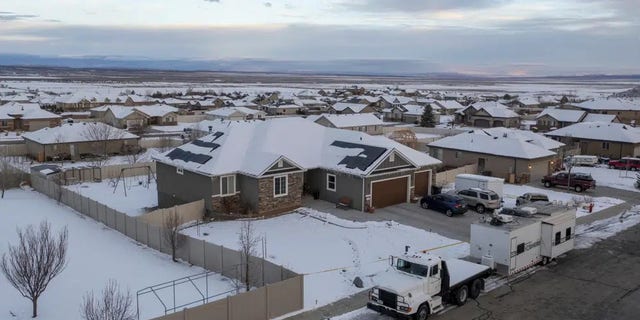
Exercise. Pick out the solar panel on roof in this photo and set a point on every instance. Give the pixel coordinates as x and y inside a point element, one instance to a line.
<point>364,159</point>
<point>188,156</point>
<point>205,144</point>
<point>217,135</point>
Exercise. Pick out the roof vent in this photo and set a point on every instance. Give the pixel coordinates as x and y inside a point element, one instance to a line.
<point>495,138</point>
<point>624,127</point>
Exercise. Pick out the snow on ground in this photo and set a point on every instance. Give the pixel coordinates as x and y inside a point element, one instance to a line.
<point>446,119</point>
<point>140,195</point>
<point>143,157</point>
<point>324,242</point>
<point>619,179</point>
<point>589,234</point>
<point>512,191</point>
<point>96,254</point>
<point>421,136</point>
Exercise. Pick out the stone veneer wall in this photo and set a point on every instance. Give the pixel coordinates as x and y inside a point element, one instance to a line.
<point>268,204</point>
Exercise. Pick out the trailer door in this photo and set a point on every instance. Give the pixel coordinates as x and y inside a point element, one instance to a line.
<point>514,254</point>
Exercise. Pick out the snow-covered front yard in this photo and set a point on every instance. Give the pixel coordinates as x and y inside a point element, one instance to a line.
<point>619,179</point>
<point>512,191</point>
<point>140,195</point>
<point>96,254</point>
<point>330,251</point>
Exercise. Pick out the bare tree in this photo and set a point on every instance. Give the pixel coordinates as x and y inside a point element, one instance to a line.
<point>164,144</point>
<point>248,242</point>
<point>172,236</point>
<point>38,258</point>
<point>100,134</point>
<point>111,305</point>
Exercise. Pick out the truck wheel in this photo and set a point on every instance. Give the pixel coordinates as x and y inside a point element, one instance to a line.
<point>612,167</point>
<point>547,184</point>
<point>449,213</point>
<point>476,288</point>
<point>423,313</point>
<point>578,188</point>
<point>461,295</point>
<point>480,208</point>
<point>425,205</point>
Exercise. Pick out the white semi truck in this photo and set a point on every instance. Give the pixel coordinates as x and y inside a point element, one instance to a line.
<point>419,285</point>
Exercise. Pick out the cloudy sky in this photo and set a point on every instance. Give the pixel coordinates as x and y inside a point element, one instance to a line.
<point>502,37</point>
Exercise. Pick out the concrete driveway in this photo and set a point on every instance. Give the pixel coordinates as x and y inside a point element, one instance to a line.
<point>411,214</point>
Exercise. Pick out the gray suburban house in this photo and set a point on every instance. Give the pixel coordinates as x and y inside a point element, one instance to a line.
<point>267,167</point>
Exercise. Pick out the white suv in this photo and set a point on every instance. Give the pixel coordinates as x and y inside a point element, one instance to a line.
<point>480,199</point>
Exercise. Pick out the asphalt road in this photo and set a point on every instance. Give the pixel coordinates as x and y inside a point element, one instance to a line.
<point>601,282</point>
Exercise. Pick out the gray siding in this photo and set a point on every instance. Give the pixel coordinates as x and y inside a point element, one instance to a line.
<point>346,186</point>
<point>175,189</point>
<point>249,187</point>
<point>286,167</point>
<point>398,162</point>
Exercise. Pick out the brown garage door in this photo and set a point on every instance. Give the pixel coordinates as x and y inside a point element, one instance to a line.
<point>481,123</point>
<point>421,183</point>
<point>389,192</point>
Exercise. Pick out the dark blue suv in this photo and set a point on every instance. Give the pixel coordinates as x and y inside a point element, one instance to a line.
<point>447,203</point>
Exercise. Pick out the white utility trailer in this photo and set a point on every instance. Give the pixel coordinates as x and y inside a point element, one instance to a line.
<point>510,247</point>
<point>467,181</point>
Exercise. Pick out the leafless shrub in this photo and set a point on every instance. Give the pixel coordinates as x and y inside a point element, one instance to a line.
<point>172,236</point>
<point>111,305</point>
<point>100,134</point>
<point>38,257</point>
<point>248,242</point>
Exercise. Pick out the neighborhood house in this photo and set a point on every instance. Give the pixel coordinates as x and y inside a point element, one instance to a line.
<point>267,166</point>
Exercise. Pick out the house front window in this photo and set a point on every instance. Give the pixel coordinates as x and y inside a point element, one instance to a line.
<point>280,186</point>
<point>605,145</point>
<point>331,182</point>
<point>227,185</point>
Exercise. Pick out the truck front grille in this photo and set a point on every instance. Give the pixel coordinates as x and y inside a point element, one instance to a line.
<point>389,299</point>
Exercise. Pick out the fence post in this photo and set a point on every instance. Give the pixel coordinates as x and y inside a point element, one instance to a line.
<point>148,234</point>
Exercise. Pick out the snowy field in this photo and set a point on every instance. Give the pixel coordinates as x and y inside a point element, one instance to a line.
<point>619,179</point>
<point>140,197</point>
<point>96,254</point>
<point>330,251</point>
<point>512,191</point>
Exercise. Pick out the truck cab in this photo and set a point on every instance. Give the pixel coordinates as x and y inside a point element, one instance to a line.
<point>421,284</point>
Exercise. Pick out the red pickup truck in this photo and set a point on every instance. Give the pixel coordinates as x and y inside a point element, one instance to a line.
<point>626,163</point>
<point>576,181</point>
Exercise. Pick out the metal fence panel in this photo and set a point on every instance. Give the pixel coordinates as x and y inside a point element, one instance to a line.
<point>285,297</point>
<point>257,299</point>
<point>230,262</point>
<point>213,257</point>
<point>131,226</point>
<point>154,237</point>
<point>196,252</point>
<point>121,223</point>
<point>142,234</point>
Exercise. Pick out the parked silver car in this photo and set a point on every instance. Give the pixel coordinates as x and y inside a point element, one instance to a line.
<point>480,199</point>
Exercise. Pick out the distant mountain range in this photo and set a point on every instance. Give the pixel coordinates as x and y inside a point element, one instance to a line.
<point>380,67</point>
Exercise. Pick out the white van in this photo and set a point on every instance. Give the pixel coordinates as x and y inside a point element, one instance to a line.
<point>580,160</point>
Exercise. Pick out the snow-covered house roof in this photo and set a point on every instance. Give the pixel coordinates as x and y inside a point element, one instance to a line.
<point>563,115</point>
<point>496,145</point>
<point>413,110</point>
<point>609,104</point>
<point>396,99</point>
<point>21,110</point>
<point>355,107</point>
<point>597,117</point>
<point>79,132</point>
<point>616,132</point>
<point>449,104</point>
<point>157,110</point>
<point>524,135</point>
<point>369,99</point>
<point>227,111</point>
<point>351,120</point>
<point>499,112</point>
<point>529,101</point>
<point>251,147</point>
